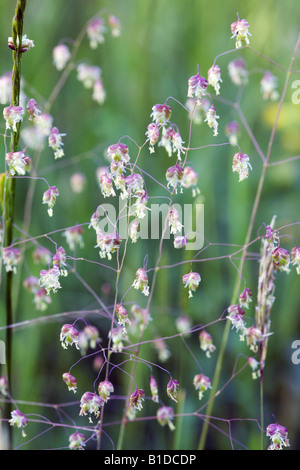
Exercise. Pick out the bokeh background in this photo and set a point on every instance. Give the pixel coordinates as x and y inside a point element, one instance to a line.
<point>162,42</point>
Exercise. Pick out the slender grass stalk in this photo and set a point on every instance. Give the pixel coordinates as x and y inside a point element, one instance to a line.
<point>9,184</point>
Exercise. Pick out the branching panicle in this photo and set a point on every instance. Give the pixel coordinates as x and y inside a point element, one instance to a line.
<point>132,326</point>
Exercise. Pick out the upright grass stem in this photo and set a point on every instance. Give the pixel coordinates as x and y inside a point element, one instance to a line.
<point>9,184</point>
<point>219,364</point>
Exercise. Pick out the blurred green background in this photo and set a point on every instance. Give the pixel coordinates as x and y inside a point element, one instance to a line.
<point>160,46</point>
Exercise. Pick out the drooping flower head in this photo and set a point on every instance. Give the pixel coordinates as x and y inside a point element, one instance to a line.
<point>61,55</point>
<point>201,382</point>
<point>78,182</point>
<point>95,31</point>
<point>122,315</point>
<point>118,336</point>
<point>141,281</point>
<point>206,343</point>
<point>5,88</point>
<point>69,335</point>
<point>183,324</point>
<point>55,142</point>
<point>32,109</point>
<point>191,280</point>
<point>190,180</point>
<point>172,388</point>
<point>108,243</point>
<point>134,183</point>
<point>153,389</point>
<point>140,317</point>
<point>41,299</point>
<point>214,78</point>
<point>180,241</point>
<point>254,365</point>
<point>236,316</point>
<point>241,165</point>
<point>118,154</point>
<point>115,26</point>
<point>197,87</point>
<point>70,381</point>
<point>133,233</point>
<point>161,114</point>
<point>165,416</point>
<point>152,134</point>
<point>106,185</point>
<point>177,144</point>
<point>88,74</point>
<point>77,441</point>
<point>136,399</point>
<point>174,220</point>
<point>49,197</point>
<point>13,115</point>
<point>240,32</point>
<point>238,72</point>
<point>245,298</point>
<point>4,385</point>
<point>174,176</point>
<point>162,349</point>
<point>253,336</point>
<point>90,404</point>
<point>18,163</point>
<point>269,86</point>
<point>281,259</point>
<point>74,236</point>
<point>171,140</point>
<point>278,435</point>
<point>105,388</point>
<point>120,183</point>
<point>140,206</point>
<point>31,283</point>
<point>59,259</point>
<point>89,337</point>
<point>232,131</point>
<point>11,258</point>
<point>99,93</point>
<point>18,420</point>
<point>211,119</point>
